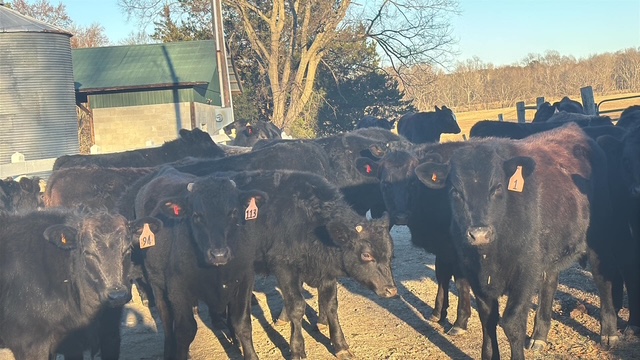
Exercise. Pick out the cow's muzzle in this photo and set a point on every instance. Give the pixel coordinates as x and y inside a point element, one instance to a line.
<point>480,235</point>
<point>218,257</point>
<point>118,295</point>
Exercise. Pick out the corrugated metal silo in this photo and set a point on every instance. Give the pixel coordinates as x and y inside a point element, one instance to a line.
<point>37,98</point>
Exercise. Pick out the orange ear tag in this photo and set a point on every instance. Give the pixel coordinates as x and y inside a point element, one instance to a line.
<point>147,239</point>
<point>516,182</point>
<point>252,210</point>
<point>434,178</point>
<point>63,240</point>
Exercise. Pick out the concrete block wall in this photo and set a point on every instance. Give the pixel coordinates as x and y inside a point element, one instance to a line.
<point>135,127</point>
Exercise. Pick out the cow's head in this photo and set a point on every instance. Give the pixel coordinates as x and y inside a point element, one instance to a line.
<point>101,245</point>
<point>367,250</point>
<point>214,208</point>
<point>448,121</point>
<point>395,171</point>
<point>479,182</point>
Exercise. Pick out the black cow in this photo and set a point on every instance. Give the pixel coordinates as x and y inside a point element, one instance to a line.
<point>590,120</point>
<point>308,233</point>
<point>423,127</point>
<point>97,187</point>
<point>511,130</point>
<point>522,211</point>
<point>546,110</point>
<point>372,121</point>
<point>247,134</point>
<point>630,117</point>
<point>59,271</point>
<point>341,151</point>
<point>624,186</point>
<point>200,254</point>
<point>427,214</point>
<point>190,143</point>
<point>21,195</point>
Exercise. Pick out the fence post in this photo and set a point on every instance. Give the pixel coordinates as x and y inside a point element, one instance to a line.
<point>539,101</point>
<point>588,100</point>
<point>520,111</point>
<point>500,117</point>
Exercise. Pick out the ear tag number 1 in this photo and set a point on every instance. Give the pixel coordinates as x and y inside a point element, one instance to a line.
<point>516,182</point>
<point>147,239</point>
<point>252,210</point>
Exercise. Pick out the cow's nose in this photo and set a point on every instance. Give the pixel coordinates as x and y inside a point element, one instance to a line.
<point>118,296</point>
<point>219,256</point>
<point>480,235</point>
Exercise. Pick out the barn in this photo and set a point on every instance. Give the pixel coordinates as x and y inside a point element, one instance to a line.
<point>137,96</point>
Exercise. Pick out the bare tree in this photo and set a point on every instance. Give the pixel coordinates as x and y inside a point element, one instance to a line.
<point>289,37</point>
<point>91,36</point>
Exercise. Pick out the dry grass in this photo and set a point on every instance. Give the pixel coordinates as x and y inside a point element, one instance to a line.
<point>468,119</point>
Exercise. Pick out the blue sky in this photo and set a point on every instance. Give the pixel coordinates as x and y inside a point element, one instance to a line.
<point>501,32</point>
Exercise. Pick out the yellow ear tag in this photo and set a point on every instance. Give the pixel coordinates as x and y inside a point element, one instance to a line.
<point>63,240</point>
<point>147,239</point>
<point>252,210</point>
<point>516,182</point>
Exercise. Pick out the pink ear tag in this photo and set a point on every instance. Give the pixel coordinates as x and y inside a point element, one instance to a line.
<point>368,169</point>
<point>252,210</point>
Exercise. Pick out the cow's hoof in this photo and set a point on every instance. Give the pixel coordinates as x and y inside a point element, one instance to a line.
<point>608,342</point>
<point>455,331</point>
<point>345,355</point>
<point>632,330</point>
<point>535,345</point>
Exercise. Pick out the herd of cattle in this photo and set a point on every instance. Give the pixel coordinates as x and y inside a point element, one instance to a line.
<point>193,221</point>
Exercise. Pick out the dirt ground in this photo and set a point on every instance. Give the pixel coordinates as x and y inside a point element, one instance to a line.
<point>388,328</point>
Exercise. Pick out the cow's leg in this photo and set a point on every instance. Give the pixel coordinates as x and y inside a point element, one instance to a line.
<point>166,316</point>
<point>444,272</point>
<point>184,323</point>
<point>464,305</point>
<point>328,303</point>
<point>488,312</point>
<point>240,316</point>
<point>603,272</point>
<point>514,318</point>
<point>109,333</point>
<point>542,324</point>
<point>295,305</point>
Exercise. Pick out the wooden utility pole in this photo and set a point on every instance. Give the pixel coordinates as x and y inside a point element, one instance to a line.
<point>221,53</point>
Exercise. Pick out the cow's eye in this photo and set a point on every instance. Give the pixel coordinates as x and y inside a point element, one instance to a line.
<point>367,257</point>
<point>496,190</point>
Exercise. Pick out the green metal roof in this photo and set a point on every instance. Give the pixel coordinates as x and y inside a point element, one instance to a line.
<point>144,66</point>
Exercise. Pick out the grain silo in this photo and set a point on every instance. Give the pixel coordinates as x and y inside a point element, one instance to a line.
<point>37,98</point>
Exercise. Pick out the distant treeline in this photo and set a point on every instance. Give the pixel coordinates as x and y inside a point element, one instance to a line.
<point>475,85</point>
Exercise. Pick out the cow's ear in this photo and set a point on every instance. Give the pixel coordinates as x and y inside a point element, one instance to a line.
<point>367,167</point>
<point>378,150</point>
<point>527,165</point>
<point>260,197</point>
<point>433,174</point>
<point>30,185</point>
<point>136,226</point>
<point>63,236</point>
<point>341,234</point>
<point>611,146</point>
<point>174,208</point>
<point>517,170</point>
